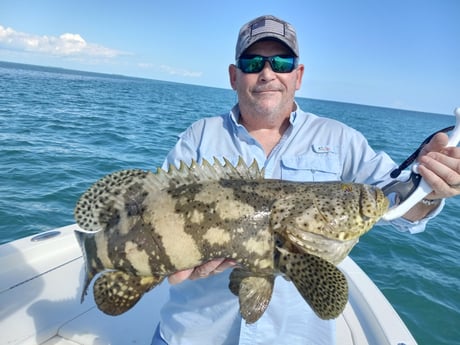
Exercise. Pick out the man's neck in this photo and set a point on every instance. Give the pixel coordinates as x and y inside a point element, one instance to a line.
<point>267,132</point>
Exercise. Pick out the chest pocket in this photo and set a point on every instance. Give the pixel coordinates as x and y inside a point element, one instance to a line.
<point>321,164</point>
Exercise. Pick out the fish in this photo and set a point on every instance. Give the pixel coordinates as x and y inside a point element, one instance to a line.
<point>138,227</point>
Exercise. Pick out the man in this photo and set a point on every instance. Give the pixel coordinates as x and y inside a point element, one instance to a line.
<point>268,125</point>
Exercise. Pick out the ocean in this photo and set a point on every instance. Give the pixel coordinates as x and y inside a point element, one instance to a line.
<point>62,130</point>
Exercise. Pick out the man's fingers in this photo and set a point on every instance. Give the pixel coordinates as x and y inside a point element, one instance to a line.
<point>206,269</point>
<point>179,276</point>
<point>436,144</point>
<point>211,267</point>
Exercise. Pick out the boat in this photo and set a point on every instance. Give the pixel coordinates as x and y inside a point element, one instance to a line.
<point>40,301</point>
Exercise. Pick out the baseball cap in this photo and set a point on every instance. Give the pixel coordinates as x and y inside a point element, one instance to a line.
<point>266,27</point>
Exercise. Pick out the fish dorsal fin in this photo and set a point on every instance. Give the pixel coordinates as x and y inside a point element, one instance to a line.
<point>195,173</point>
<point>320,283</point>
<point>96,207</point>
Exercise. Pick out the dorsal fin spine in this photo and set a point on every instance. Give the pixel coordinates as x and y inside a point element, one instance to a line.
<point>195,173</point>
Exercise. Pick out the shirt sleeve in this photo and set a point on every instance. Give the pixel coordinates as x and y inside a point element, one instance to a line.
<point>186,148</point>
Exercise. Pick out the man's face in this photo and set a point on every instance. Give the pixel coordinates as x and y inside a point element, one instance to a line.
<point>266,93</point>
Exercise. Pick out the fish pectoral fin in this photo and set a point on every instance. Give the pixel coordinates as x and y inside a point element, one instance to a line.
<point>254,293</point>
<point>322,285</point>
<point>116,292</point>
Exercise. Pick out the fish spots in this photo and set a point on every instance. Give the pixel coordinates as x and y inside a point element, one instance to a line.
<point>180,247</point>
<point>319,282</point>
<point>258,246</point>
<point>347,187</point>
<point>232,209</point>
<point>97,205</point>
<point>102,246</point>
<point>373,202</point>
<point>239,230</point>
<point>225,204</point>
<point>196,216</point>
<point>154,224</point>
<point>139,259</point>
<point>263,264</point>
<point>217,236</point>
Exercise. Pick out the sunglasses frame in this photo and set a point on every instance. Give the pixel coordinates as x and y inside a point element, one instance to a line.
<point>271,61</point>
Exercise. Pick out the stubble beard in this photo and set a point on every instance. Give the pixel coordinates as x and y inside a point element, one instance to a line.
<point>270,110</point>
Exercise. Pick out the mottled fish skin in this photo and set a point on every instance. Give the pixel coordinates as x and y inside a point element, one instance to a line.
<point>143,226</point>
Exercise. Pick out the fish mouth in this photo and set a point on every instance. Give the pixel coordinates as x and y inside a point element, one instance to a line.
<point>331,250</point>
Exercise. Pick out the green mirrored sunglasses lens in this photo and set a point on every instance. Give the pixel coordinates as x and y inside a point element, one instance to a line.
<point>255,64</point>
<point>282,64</point>
<point>252,65</point>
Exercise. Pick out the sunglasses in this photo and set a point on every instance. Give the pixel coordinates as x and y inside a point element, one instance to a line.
<point>256,63</point>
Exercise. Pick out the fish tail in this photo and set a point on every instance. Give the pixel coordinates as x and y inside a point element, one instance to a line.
<point>86,242</point>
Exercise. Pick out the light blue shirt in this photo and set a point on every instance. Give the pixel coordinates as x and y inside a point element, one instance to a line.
<point>313,148</point>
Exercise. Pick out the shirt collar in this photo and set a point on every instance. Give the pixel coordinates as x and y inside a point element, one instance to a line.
<point>235,114</point>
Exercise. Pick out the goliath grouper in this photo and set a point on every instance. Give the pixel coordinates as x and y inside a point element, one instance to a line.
<point>141,227</point>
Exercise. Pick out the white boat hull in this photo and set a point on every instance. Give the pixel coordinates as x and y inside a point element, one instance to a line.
<point>40,291</point>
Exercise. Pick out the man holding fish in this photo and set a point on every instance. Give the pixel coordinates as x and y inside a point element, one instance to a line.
<point>268,125</point>
<point>266,189</point>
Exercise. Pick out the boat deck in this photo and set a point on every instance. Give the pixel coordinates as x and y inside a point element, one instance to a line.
<point>40,302</point>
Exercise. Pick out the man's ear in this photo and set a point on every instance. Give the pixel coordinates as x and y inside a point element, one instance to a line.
<point>232,71</point>
<point>300,71</point>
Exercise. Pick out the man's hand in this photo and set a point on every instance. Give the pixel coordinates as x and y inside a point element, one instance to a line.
<point>209,268</point>
<point>440,167</point>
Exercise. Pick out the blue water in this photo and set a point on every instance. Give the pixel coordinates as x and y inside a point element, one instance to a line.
<point>62,130</point>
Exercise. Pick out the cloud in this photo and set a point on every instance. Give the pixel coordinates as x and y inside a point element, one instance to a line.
<point>180,72</point>
<point>144,65</point>
<point>67,44</point>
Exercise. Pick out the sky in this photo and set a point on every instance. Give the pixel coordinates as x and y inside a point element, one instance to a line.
<point>395,53</point>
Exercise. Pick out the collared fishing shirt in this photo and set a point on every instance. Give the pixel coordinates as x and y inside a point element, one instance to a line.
<point>313,148</point>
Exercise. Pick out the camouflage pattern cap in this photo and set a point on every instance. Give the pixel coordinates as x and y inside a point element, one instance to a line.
<point>266,27</point>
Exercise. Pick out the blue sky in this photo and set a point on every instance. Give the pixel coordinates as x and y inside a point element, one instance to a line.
<point>394,53</point>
